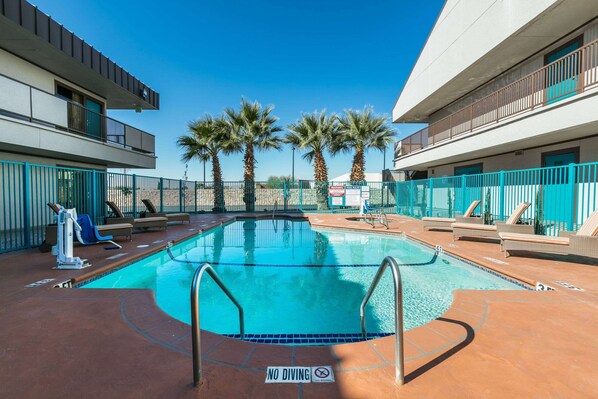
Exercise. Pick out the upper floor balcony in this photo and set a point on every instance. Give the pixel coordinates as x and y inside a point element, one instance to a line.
<point>22,102</point>
<point>566,77</point>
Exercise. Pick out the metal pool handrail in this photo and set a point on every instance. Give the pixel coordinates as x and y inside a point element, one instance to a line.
<point>195,316</point>
<point>398,291</point>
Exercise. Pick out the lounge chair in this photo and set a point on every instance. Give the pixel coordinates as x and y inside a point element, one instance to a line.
<point>138,223</point>
<point>172,217</point>
<point>445,223</point>
<point>584,242</point>
<point>491,231</point>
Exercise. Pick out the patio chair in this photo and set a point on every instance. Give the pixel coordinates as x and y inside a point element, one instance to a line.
<point>445,223</point>
<point>491,231</point>
<point>172,217</point>
<point>138,223</point>
<point>584,242</point>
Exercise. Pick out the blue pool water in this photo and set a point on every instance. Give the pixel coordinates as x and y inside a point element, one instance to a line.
<point>291,279</point>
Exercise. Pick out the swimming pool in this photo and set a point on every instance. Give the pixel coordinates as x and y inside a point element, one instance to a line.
<point>294,280</point>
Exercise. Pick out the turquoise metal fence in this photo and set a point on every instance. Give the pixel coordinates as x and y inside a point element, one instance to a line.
<point>561,197</point>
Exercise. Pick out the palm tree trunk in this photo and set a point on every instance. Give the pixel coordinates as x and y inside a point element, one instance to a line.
<point>358,168</point>
<point>320,169</point>
<point>249,178</point>
<point>321,176</point>
<point>218,187</point>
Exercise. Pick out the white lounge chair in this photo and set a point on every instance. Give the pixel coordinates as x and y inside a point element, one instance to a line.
<point>492,230</point>
<point>445,223</point>
<point>584,242</point>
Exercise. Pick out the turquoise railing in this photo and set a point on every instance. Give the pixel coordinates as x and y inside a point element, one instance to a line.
<point>561,197</point>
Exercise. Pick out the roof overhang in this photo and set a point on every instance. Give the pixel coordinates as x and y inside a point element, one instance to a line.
<point>32,35</point>
<point>420,97</point>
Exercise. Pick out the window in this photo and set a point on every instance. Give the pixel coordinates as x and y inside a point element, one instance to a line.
<point>468,169</point>
<point>84,112</point>
<point>560,157</point>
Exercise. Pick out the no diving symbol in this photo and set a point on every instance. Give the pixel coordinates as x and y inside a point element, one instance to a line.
<point>321,372</point>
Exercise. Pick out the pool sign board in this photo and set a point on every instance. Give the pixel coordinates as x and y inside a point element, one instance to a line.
<point>337,201</point>
<point>365,192</point>
<point>336,191</point>
<point>306,375</point>
<point>352,195</point>
<point>336,195</point>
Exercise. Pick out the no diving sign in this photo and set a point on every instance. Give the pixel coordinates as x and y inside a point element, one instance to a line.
<point>278,375</point>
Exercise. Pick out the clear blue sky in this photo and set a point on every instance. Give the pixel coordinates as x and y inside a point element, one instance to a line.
<point>300,56</point>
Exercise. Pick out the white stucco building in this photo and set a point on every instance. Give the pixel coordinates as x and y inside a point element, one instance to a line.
<point>503,85</point>
<point>54,92</point>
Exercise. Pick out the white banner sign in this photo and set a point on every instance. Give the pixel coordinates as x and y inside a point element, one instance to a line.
<point>306,375</point>
<point>352,195</point>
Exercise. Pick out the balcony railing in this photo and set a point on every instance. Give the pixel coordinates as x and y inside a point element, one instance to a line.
<point>20,100</point>
<point>565,77</point>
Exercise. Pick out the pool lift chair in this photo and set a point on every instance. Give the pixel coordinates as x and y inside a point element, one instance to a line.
<point>374,214</point>
<point>67,225</point>
<point>86,233</point>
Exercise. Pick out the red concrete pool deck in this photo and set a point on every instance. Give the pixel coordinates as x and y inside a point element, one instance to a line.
<point>60,343</point>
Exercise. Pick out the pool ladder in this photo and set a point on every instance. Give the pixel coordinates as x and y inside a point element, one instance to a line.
<point>206,267</point>
<point>398,293</point>
<point>377,215</point>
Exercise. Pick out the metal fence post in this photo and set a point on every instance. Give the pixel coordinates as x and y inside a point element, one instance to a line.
<point>300,196</point>
<point>180,195</point>
<point>571,183</point>
<point>411,196</point>
<point>284,194</point>
<point>94,182</point>
<point>26,204</point>
<point>431,189</point>
<point>195,193</point>
<point>161,194</point>
<point>397,197</point>
<point>463,194</point>
<point>501,195</point>
<point>134,196</point>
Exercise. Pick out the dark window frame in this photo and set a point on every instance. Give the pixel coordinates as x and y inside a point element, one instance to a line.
<point>578,39</point>
<point>480,164</point>
<point>83,95</point>
<point>546,154</point>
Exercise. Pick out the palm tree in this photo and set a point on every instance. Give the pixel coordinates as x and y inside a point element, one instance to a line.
<point>254,128</point>
<point>362,130</point>
<point>207,137</point>
<point>315,134</point>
